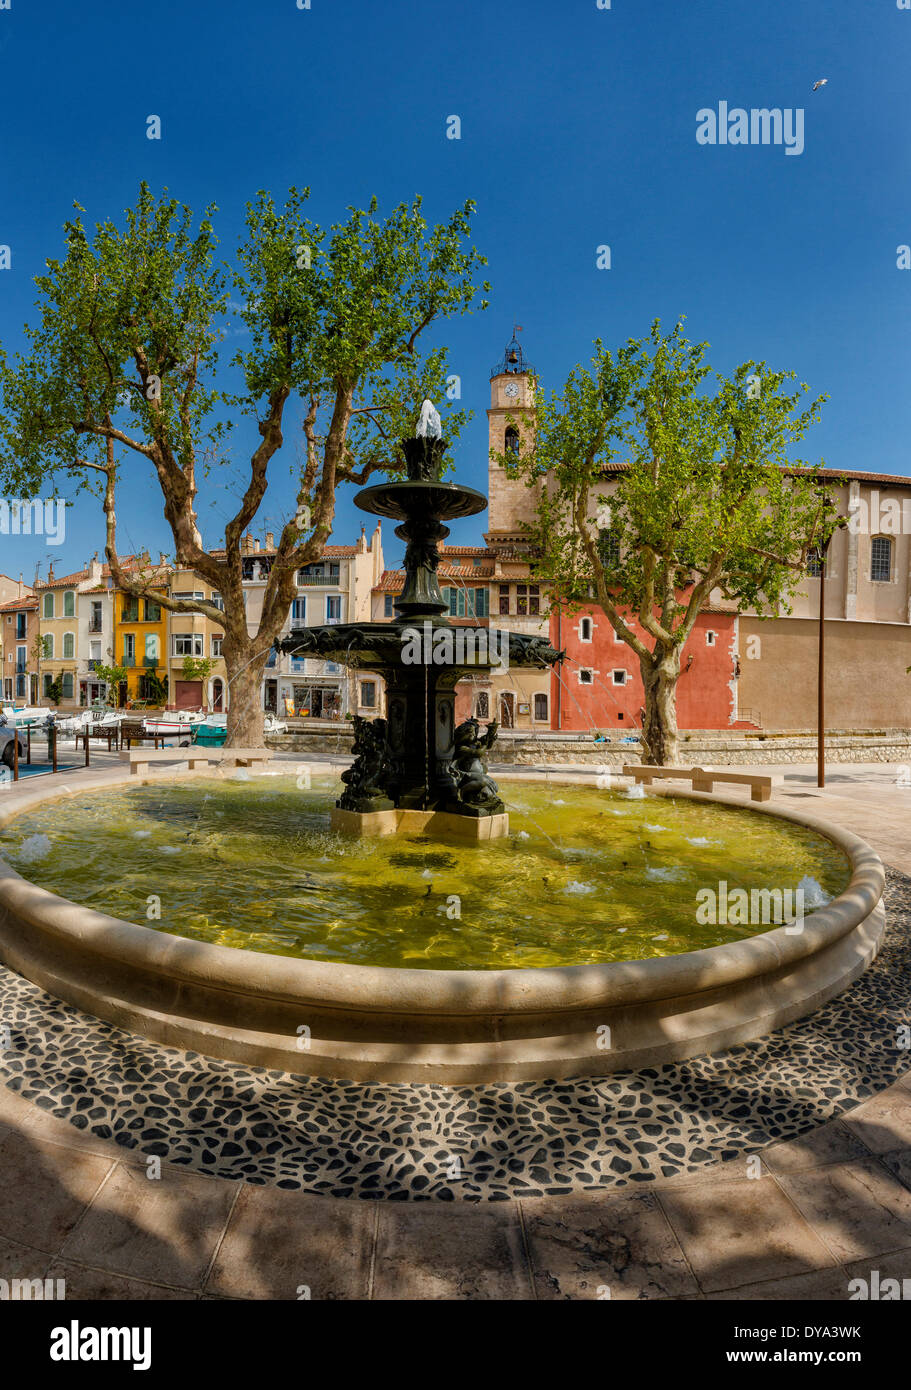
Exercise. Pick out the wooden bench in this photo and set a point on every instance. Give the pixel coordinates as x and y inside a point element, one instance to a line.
<point>134,733</point>
<point>196,756</point>
<point>703,779</point>
<point>110,732</point>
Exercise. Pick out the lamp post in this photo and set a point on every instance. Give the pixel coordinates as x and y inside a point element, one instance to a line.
<point>822,551</point>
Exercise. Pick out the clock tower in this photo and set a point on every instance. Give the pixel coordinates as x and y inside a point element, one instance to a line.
<point>509,421</point>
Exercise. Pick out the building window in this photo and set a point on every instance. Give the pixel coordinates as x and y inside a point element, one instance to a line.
<point>153,611</point>
<point>49,605</point>
<point>585,630</point>
<point>388,601</point>
<point>218,602</point>
<point>94,651</point>
<point>522,599</point>
<point>710,639</point>
<point>188,644</point>
<point>47,646</point>
<point>368,694</point>
<point>48,679</point>
<point>586,676</point>
<point>130,610</point>
<point>69,646</point>
<point>466,603</point>
<point>534,598</point>
<point>814,563</point>
<point>542,715</point>
<point>608,549</point>
<point>217,646</point>
<point>482,705</point>
<point>881,559</point>
<point>619,677</point>
<point>511,441</point>
<point>299,611</point>
<point>504,599</point>
<point>67,685</point>
<point>20,625</point>
<point>129,649</point>
<point>333,608</point>
<point>69,603</point>
<point>95,620</point>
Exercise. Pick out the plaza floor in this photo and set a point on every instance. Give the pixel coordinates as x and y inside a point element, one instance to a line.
<point>790,1174</point>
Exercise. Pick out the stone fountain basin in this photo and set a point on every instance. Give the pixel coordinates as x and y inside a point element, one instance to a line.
<point>371,1023</point>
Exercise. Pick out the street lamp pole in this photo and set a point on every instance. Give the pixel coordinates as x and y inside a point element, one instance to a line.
<point>821,673</point>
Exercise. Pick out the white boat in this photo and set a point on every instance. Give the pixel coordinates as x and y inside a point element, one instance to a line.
<point>181,721</point>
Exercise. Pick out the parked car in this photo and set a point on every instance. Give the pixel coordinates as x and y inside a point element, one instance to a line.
<point>6,745</point>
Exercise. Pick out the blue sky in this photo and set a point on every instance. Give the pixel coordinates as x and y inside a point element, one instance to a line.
<point>578,129</point>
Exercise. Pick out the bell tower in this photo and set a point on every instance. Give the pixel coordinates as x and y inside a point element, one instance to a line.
<point>509,423</point>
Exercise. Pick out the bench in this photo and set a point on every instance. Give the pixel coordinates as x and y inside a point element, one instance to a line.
<point>703,779</point>
<point>135,733</point>
<point>195,756</point>
<point>110,732</point>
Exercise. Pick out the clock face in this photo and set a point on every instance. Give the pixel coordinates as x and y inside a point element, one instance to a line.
<point>511,389</point>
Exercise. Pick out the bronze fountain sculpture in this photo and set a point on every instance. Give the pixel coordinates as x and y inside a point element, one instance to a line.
<point>416,758</point>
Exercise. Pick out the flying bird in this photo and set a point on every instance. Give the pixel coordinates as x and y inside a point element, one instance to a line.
<point>821,83</point>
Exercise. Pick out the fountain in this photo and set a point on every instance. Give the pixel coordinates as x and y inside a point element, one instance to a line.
<point>415,769</point>
<point>571,948</point>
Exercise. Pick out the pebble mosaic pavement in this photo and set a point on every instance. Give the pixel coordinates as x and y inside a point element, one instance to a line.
<point>491,1142</point>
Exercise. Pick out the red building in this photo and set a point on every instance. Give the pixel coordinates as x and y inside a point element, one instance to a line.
<point>599,684</point>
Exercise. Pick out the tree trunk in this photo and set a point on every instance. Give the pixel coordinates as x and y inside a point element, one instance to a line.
<point>245,705</point>
<point>660,672</point>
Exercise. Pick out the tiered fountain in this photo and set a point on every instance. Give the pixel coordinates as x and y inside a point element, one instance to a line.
<point>415,769</point>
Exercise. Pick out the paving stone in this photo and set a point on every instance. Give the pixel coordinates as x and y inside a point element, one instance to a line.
<point>736,1232</point>
<point>883,1122</point>
<point>101,1286</point>
<point>831,1143</point>
<point>279,1242</point>
<point>164,1231</point>
<point>585,1248</point>
<point>432,1251</point>
<point>857,1208</point>
<point>44,1190</point>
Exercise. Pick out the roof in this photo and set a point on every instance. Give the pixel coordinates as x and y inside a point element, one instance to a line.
<point>392,581</point>
<point>17,604</point>
<point>861,475</point>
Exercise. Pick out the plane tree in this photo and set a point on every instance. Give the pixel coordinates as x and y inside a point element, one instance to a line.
<point>122,373</point>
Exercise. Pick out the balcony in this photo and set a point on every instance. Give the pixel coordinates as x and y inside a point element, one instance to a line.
<point>150,663</point>
<point>129,661</point>
<point>96,627</point>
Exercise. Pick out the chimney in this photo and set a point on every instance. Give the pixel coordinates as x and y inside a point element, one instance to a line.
<point>270,540</point>
<point>162,559</point>
<point>50,573</point>
<point>362,542</point>
<point>95,568</point>
<point>256,545</point>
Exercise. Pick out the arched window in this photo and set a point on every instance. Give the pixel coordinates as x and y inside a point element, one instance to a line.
<point>881,559</point>
<point>69,646</point>
<point>814,563</point>
<point>47,641</point>
<point>49,605</point>
<point>511,441</point>
<point>585,630</point>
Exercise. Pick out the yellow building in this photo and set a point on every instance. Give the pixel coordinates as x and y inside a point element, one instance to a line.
<point>140,642</point>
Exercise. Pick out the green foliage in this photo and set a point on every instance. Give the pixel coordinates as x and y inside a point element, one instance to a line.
<point>54,691</point>
<point>197,668</point>
<point>114,676</point>
<point>709,497</point>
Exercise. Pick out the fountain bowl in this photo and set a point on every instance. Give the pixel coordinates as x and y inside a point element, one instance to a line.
<point>373,1023</point>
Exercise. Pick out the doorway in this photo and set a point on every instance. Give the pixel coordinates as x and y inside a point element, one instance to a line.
<point>508,710</point>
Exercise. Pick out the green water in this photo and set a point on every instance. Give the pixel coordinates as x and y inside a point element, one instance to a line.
<point>584,875</point>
